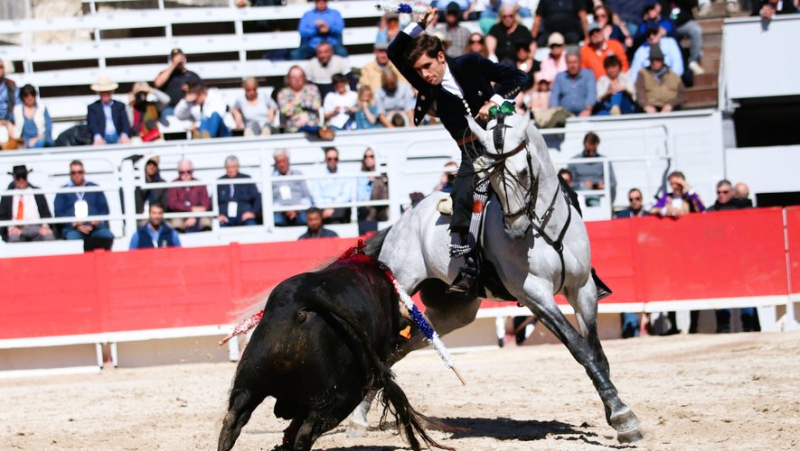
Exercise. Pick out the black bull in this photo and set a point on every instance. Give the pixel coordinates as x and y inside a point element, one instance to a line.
<point>321,345</point>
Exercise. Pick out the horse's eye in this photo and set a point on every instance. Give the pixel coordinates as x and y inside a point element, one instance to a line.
<point>524,172</point>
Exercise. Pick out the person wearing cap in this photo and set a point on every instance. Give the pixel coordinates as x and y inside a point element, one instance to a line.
<point>504,35</point>
<point>673,57</point>
<point>574,90</point>
<point>24,207</point>
<point>106,118</point>
<point>317,25</point>
<point>658,88</point>
<point>598,48</point>
<point>144,106</point>
<point>322,67</point>
<point>457,87</point>
<point>453,31</point>
<point>173,79</point>
<point>556,61</point>
<point>34,127</point>
<point>8,98</point>
<point>371,72</point>
<point>567,17</point>
<point>206,108</point>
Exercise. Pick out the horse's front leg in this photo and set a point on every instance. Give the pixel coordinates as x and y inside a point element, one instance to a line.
<point>539,299</point>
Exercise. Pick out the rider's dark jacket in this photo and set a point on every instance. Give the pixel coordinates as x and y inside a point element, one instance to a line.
<point>474,75</point>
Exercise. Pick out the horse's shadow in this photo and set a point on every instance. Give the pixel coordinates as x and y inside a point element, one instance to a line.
<point>510,428</point>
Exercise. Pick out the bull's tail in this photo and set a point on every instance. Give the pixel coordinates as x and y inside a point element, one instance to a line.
<point>409,421</point>
<point>375,244</point>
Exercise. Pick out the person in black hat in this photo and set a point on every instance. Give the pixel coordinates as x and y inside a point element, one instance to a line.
<point>172,79</point>
<point>24,207</point>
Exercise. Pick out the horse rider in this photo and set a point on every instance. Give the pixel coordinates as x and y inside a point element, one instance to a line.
<point>450,89</point>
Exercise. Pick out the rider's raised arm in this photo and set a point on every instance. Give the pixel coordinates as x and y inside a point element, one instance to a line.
<point>397,51</point>
<point>508,80</point>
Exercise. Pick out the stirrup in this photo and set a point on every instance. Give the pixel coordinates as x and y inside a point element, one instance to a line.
<point>602,289</point>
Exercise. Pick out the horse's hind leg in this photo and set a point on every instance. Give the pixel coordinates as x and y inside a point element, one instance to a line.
<point>584,301</point>
<point>539,299</point>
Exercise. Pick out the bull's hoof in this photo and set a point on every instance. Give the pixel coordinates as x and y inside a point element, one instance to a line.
<point>357,430</point>
<point>630,436</point>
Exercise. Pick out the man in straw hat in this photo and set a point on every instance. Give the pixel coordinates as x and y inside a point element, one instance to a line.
<point>107,118</point>
<point>24,206</point>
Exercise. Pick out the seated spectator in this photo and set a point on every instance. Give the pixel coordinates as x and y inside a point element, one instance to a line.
<point>466,8</point>
<point>457,34</point>
<point>206,108</point>
<point>687,27</point>
<point>372,71</point>
<point>669,48</point>
<point>565,17</point>
<point>371,188</point>
<point>315,228</point>
<point>524,61</point>
<point>321,24</point>
<point>238,204</point>
<point>155,233</point>
<point>658,89</point>
<point>769,8</point>
<point>502,37</point>
<point>173,80</point>
<point>742,192</point>
<point>681,201</point>
<point>34,128</point>
<point>187,199</point>
<point>448,177</point>
<point>556,61</point>
<point>653,19</point>
<point>477,44</point>
<point>388,28</point>
<point>82,205</point>
<point>615,90</point>
<point>321,69</point>
<point>727,199</point>
<point>598,48</point>
<point>329,191</point>
<point>106,118</point>
<point>144,108</point>
<point>591,176</point>
<point>8,98</point>
<point>490,10</point>
<point>395,102</point>
<point>299,102</point>
<point>604,17</point>
<point>540,97</point>
<point>574,90</point>
<point>366,112</point>
<point>145,196</point>
<point>254,113</point>
<point>288,193</point>
<point>341,105</point>
<point>627,14</point>
<point>24,207</point>
<point>635,206</point>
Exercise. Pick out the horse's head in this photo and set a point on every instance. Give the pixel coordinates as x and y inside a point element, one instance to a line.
<point>511,174</point>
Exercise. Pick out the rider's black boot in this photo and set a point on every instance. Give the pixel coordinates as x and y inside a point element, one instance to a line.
<point>602,289</point>
<point>467,278</point>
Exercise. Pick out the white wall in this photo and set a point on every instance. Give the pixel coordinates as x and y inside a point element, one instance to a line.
<point>764,169</point>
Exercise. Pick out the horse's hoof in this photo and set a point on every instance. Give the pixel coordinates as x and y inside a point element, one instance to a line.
<point>630,436</point>
<point>624,421</point>
<point>357,430</point>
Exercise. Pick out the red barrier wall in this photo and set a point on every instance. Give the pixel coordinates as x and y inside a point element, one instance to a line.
<point>715,255</point>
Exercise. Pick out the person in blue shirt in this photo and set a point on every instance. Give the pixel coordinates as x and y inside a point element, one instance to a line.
<point>155,233</point>
<point>333,190</point>
<point>319,24</point>
<point>82,205</point>
<point>574,90</point>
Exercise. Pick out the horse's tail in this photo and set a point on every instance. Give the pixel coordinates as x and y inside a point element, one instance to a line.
<point>408,420</point>
<point>375,244</point>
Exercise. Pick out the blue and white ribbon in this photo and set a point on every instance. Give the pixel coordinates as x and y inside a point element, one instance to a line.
<point>402,8</point>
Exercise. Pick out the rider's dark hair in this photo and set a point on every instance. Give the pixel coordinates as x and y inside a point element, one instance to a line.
<point>591,138</point>
<point>424,44</point>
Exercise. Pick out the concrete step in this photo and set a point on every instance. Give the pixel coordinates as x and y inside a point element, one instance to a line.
<point>711,26</point>
<point>701,98</point>
<point>708,80</point>
<point>711,65</point>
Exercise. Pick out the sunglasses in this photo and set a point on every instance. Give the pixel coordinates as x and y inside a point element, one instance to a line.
<point>332,159</point>
<point>77,172</point>
<point>185,172</point>
<point>479,41</point>
<point>369,156</point>
<point>634,198</point>
<point>507,15</point>
<point>556,45</point>
<point>724,191</point>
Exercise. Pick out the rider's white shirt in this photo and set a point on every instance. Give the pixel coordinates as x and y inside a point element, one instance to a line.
<point>450,84</point>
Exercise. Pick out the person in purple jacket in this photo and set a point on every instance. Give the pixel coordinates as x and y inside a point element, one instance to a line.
<point>318,25</point>
<point>682,200</point>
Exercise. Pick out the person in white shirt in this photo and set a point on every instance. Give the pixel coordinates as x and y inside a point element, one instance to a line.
<point>340,105</point>
<point>24,206</point>
<point>206,108</point>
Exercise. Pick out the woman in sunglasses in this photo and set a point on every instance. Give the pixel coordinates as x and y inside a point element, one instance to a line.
<point>477,45</point>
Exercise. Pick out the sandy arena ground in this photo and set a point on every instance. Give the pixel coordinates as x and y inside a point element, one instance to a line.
<point>710,392</point>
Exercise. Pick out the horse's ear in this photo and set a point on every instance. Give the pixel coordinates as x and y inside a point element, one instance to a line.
<point>477,130</point>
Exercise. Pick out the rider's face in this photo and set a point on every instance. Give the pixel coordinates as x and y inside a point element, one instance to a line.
<point>431,69</point>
